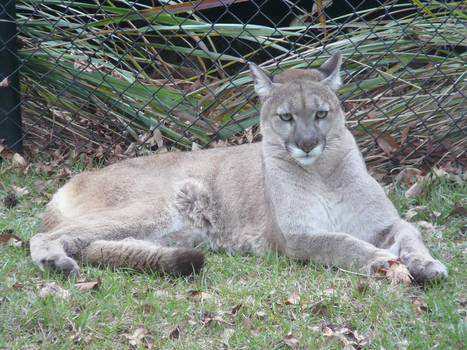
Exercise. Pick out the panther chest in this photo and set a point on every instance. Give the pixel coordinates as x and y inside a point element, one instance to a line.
<point>318,212</point>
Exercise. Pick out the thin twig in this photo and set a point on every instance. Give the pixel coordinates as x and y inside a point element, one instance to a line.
<point>359,274</point>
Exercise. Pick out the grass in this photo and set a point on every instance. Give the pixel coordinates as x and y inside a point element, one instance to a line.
<point>260,302</point>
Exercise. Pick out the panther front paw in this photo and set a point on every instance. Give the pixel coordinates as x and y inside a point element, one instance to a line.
<point>427,270</point>
<point>61,264</point>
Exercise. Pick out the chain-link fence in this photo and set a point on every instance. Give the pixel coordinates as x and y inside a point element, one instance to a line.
<point>119,78</point>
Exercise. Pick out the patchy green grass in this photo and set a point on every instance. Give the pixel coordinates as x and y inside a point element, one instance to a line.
<point>237,302</point>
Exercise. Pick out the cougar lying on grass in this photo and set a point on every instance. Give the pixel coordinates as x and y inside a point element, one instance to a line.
<point>304,190</point>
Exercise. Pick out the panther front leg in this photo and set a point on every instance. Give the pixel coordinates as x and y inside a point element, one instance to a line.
<point>408,241</point>
<point>339,249</point>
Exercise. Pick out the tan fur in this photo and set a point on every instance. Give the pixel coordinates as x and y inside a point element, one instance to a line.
<point>304,190</point>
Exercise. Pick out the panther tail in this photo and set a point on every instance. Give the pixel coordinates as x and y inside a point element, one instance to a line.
<point>143,255</point>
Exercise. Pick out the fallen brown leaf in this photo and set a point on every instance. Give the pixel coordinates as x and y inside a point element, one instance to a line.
<point>387,143</point>
<point>409,176</point>
<point>226,335</point>
<point>54,289</point>
<point>18,285</point>
<point>328,330</point>
<point>319,309</point>
<point>63,174</point>
<point>86,285</point>
<point>7,237</point>
<point>10,200</point>
<point>458,210</point>
<point>363,288</point>
<point>420,306</point>
<point>39,185</point>
<point>207,317</point>
<point>414,211</point>
<point>148,308</point>
<point>293,298</point>
<point>174,333</point>
<point>199,295</point>
<point>346,334</point>
<point>406,131</point>
<point>291,341</point>
<point>137,336</point>
<point>415,190</point>
<point>235,309</point>
<point>395,272</point>
<point>5,82</point>
<point>398,273</point>
<point>20,191</point>
<point>18,161</point>
<point>247,322</point>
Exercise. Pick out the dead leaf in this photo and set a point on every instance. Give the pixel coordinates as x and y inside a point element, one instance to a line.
<point>174,333</point>
<point>440,173</point>
<point>261,314</point>
<point>227,334</point>
<point>235,309</point>
<point>398,273</point>
<point>406,131</point>
<point>291,341</point>
<point>395,272</point>
<point>293,298</point>
<point>20,191</point>
<point>458,210</point>
<point>346,334</point>
<point>161,293</point>
<point>363,288</point>
<point>148,308</point>
<point>7,237</point>
<point>74,337</point>
<point>84,286</point>
<point>328,330</point>
<point>136,338</point>
<point>63,174</point>
<point>247,322</point>
<point>387,143</point>
<point>5,82</point>
<point>54,289</point>
<point>414,211</point>
<point>319,308</point>
<point>152,138</point>
<point>10,200</point>
<point>39,185</point>
<point>420,306</point>
<point>415,190</point>
<point>409,176</point>
<point>199,295</point>
<point>18,285</point>
<point>207,317</point>
<point>329,292</point>
<point>18,161</point>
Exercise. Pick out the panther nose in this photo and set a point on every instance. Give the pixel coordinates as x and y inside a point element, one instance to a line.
<point>307,145</point>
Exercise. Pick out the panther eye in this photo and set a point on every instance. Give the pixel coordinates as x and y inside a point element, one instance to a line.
<point>287,117</point>
<point>321,114</point>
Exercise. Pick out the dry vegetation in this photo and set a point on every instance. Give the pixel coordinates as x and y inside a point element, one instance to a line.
<point>102,78</point>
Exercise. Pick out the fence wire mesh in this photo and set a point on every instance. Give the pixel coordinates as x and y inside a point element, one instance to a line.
<point>121,78</point>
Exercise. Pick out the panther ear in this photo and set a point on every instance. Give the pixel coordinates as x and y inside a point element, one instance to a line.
<point>331,69</point>
<point>262,80</point>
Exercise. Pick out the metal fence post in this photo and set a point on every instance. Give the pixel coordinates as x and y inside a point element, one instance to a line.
<point>10,108</point>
